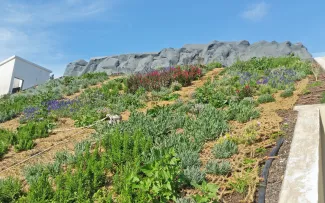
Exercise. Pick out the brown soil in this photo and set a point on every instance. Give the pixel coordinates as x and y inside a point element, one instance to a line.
<point>278,167</point>
<point>66,139</point>
<point>269,123</point>
<point>277,170</point>
<point>314,94</point>
<point>11,125</point>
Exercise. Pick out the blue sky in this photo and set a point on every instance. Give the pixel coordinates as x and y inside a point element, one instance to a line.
<point>54,33</point>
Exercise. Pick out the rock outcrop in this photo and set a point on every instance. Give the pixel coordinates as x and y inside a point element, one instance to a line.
<point>224,52</point>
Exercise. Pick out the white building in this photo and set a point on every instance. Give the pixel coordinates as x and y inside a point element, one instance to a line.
<point>17,74</point>
<point>320,61</point>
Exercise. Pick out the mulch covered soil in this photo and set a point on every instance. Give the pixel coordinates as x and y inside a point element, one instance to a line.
<point>312,95</point>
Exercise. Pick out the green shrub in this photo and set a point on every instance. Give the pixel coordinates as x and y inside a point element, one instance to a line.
<point>40,190</point>
<point>175,86</point>
<point>189,158</point>
<point>193,175</point>
<point>30,131</point>
<point>125,147</point>
<point>242,111</point>
<point>213,65</point>
<point>33,173</point>
<point>7,138</point>
<point>287,93</point>
<point>265,98</point>
<point>158,181</point>
<point>208,93</point>
<point>225,149</point>
<point>218,168</point>
<point>266,89</point>
<point>10,190</point>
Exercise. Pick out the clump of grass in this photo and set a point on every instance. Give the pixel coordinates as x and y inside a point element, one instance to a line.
<point>218,168</point>
<point>265,98</point>
<point>286,93</point>
<point>316,84</point>
<point>240,184</point>
<point>225,149</point>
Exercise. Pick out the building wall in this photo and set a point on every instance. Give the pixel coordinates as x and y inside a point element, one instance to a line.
<point>31,74</point>
<point>6,77</point>
<point>321,61</point>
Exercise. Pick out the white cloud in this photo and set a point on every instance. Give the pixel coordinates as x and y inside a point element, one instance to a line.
<point>26,28</point>
<point>256,12</point>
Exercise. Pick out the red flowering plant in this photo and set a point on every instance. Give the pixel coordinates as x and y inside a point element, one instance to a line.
<point>246,91</point>
<point>156,79</point>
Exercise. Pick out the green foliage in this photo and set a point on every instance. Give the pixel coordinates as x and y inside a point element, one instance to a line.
<point>287,93</point>
<point>175,86</point>
<point>260,150</point>
<point>224,149</point>
<point>209,193</point>
<point>315,84</point>
<point>218,168</point>
<point>33,173</point>
<point>164,94</point>
<point>242,111</point>
<point>266,89</point>
<point>194,175</point>
<point>240,184</point>
<point>158,181</point>
<point>40,190</point>
<point>7,138</point>
<point>209,94</point>
<point>264,63</point>
<point>124,147</point>
<point>30,131</point>
<point>213,65</point>
<point>10,190</point>
<point>265,98</point>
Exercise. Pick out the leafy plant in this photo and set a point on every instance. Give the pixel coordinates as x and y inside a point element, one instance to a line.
<point>265,98</point>
<point>158,181</point>
<point>194,175</point>
<point>10,190</point>
<point>287,93</point>
<point>209,193</point>
<point>242,111</point>
<point>218,168</point>
<point>224,149</point>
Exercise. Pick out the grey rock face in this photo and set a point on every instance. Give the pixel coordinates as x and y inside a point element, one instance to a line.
<point>224,52</point>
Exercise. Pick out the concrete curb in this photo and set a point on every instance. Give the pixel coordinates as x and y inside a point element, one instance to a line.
<point>303,179</point>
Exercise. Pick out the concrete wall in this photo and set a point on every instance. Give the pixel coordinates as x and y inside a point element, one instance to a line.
<point>31,74</point>
<point>6,77</point>
<point>303,181</point>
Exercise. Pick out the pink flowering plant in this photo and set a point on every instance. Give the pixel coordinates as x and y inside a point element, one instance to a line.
<point>163,78</point>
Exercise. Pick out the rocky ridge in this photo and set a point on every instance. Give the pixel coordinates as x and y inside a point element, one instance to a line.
<point>224,52</point>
